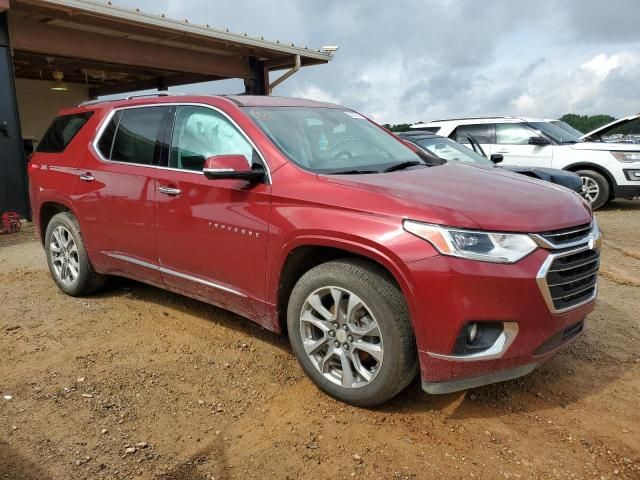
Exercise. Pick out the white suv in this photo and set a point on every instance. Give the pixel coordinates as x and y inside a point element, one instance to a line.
<point>608,170</point>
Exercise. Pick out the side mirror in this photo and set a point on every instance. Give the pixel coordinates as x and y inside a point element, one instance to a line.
<point>225,167</point>
<point>539,141</point>
<point>497,158</point>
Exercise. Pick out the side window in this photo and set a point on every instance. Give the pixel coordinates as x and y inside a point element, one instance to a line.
<point>201,132</point>
<point>512,134</point>
<point>481,132</point>
<point>106,139</point>
<point>62,131</point>
<point>136,137</point>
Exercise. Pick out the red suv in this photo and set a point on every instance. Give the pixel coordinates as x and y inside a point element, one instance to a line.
<point>310,219</point>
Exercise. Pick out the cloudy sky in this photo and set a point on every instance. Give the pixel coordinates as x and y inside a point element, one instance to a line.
<point>404,61</point>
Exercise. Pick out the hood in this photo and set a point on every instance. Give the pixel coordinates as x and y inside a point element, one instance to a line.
<point>564,178</point>
<point>470,197</point>
<point>602,131</point>
<point>604,146</point>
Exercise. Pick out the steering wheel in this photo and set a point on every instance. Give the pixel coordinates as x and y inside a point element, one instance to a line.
<point>338,150</point>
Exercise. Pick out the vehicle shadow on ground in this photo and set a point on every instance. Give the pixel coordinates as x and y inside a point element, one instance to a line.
<point>118,287</point>
<point>580,370</point>
<point>617,205</point>
<point>14,466</point>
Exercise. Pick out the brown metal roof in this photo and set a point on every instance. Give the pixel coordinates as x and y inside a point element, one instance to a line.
<point>116,48</point>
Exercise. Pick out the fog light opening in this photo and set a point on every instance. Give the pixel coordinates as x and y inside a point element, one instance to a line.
<point>475,337</point>
<point>472,332</point>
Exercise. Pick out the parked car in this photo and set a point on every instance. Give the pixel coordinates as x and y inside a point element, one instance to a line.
<point>311,220</point>
<point>623,130</point>
<point>608,170</point>
<point>446,149</point>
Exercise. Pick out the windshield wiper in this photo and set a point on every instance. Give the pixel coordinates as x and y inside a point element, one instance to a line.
<point>402,166</point>
<point>351,172</point>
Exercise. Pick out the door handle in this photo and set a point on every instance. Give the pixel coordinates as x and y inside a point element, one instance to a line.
<point>502,151</point>
<point>170,190</point>
<point>87,177</point>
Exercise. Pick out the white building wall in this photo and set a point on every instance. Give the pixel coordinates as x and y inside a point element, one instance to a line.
<point>38,104</point>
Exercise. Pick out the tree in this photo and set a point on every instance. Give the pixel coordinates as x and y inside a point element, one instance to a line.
<point>401,127</point>
<point>586,123</point>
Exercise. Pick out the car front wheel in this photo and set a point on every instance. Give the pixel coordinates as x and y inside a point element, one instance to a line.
<point>595,188</point>
<point>349,327</point>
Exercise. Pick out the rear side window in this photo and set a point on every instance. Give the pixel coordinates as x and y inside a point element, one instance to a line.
<point>62,131</point>
<point>132,135</point>
<point>481,132</point>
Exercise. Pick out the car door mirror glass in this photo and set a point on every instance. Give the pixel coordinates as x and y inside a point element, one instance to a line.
<point>224,167</point>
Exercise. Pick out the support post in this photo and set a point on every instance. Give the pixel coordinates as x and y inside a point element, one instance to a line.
<point>258,81</point>
<point>13,172</point>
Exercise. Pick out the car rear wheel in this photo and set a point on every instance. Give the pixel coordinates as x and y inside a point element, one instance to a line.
<point>67,257</point>
<point>349,327</point>
<point>595,188</point>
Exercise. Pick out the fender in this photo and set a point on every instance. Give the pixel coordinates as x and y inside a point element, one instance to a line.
<point>592,166</point>
<point>360,246</point>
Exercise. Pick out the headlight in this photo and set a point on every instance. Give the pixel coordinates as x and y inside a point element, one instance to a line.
<point>474,245</point>
<point>627,157</point>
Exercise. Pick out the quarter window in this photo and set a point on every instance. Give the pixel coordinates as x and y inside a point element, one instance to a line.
<point>136,135</point>
<point>481,132</point>
<point>62,131</point>
<point>512,134</point>
<point>201,132</point>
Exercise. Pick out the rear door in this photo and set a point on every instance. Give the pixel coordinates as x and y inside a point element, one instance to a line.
<point>212,234</point>
<point>512,142</point>
<point>115,197</point>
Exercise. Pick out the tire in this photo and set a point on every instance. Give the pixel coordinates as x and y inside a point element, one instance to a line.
<point>381,365</point>
<point>596,182</point>
<point>63,245</point>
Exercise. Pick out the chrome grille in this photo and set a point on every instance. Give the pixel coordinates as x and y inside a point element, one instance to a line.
<point>566,237</point>
<point>569,279</point>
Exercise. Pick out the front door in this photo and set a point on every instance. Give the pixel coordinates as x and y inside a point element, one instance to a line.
<point>212,234</point>
<point>512,142</point>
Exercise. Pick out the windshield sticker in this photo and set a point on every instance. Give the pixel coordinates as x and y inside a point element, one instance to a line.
<point>261,114</point>
<point>354,115</point>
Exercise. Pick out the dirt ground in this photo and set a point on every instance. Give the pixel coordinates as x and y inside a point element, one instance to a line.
<point>139,383</point>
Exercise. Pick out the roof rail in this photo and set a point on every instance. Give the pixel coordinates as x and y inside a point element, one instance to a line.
<point>464,118</point>
<point>130,97</point>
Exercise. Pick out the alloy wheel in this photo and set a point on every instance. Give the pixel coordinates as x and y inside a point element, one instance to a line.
<point>341,337</point>
<point>590,189</point>
<point>64,255</point>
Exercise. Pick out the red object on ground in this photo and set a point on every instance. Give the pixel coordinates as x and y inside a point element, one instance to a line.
<point>10,222</point>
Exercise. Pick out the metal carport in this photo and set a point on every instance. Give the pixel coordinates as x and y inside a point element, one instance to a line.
<point>97,49</point>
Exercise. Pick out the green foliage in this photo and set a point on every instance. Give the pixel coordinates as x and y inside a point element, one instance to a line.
<point>401,127</point>
<point>586,123</point>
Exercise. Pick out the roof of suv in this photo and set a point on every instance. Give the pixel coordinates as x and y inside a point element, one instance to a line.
<point>239,100</point>
<point>478,120</point>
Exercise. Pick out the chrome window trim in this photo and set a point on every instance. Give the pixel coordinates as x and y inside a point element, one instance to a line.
<point>108,118</point>
<point>541,279</point>
<point>175,273</point>
<point>497,350</point>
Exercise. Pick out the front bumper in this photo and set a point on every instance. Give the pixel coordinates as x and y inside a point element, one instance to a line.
<point>452,292</point>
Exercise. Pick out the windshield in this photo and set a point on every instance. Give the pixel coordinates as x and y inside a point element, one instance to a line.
<point>554,132</point>
<point>449,150</point>
<point>332,140</point>
<point>567,127</point>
